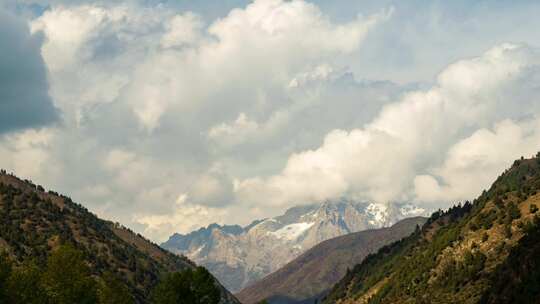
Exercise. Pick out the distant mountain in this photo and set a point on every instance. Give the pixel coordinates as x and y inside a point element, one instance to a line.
<point>308,276</point>
<point>482,252</point>
<point>239,256</point>
<point>34,222</point>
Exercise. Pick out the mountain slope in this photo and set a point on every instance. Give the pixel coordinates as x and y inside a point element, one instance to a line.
<point>240,256</point>
<point>484,252</point>
<point>34,222</point>
<point>322,266</point>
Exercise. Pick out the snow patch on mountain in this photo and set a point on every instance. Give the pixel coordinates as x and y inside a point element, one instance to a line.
<point>291,232</point>
<point>238,256</point>
<point>378,213</point>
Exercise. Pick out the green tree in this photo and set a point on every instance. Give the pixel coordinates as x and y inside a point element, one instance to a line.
<point>112,291</point>
<point>187,287</point>
<point>24,285</point>
<point>5,271</point>
<point>67,278</point>
<point>513,211</point>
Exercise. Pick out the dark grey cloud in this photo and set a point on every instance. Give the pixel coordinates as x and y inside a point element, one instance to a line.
<point>24,98</point>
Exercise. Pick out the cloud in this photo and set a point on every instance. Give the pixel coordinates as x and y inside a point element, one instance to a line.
<point>125,53</point>
<point>27,151</point>
<point>472,163</point>
<point>185,217</point>
<point>380,161</point>
<point>246,108</point>
<point>154,98</point>
<point>24,99</point>
<point>235,132</point>
<point>213,188</point>
<point>182,30</point>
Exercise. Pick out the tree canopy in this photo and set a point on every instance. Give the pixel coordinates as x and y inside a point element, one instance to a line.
<point>187,287</point>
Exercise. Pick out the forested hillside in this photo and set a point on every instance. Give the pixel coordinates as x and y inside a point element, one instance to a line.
<point>37,227</point>
<point>481,252</point>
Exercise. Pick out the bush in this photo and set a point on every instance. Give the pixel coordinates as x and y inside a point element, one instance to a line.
<point>112,291</point>
<point>507,231</point>
<point>67,278</point>
<point>189,286</point>
<point>24,285</point>
<point>5,271</point>
<point>513,211</point>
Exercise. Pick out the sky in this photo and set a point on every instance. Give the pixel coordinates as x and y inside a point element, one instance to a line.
<point>170,115</point>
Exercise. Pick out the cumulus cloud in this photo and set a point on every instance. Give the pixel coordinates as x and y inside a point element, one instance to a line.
<point>185,217</point>
<point>154,97</point>
<point>472,163</point>
<point>24,98</point>
<point>182,30</point>
<point>173,119</point>
<point>156,68</point>
<point>380,161</point>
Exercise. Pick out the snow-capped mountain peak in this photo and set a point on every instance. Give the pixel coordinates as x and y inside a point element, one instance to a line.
<point>238,255</point>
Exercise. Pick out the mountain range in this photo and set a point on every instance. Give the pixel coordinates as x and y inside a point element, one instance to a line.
<point>485,251</point>
<point>239,256</point>
<point>313,273</point>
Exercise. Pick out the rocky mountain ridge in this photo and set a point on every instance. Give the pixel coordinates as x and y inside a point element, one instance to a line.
<point>310,275</point>
<point>239,256</point>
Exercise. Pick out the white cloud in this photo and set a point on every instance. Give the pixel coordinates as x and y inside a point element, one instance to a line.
<point>235,132</point>
<point>154,97</point>
<point>27,153</point>
<point>472,163</point>
<point>381,161</point>
<point>116,70</point>
<point>182,30</point>
<point>185,218</point>
<point>156,68</point>
<point>320,72</point>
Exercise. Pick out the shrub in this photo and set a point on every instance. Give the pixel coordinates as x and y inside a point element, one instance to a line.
<point>189,286</point>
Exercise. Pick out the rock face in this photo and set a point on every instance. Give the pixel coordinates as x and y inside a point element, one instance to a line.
<point>313,273</point>
<point>239,256</point>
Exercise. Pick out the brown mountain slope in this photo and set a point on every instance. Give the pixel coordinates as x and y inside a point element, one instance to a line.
<point>319,268</point>
<point>34,222</point>
<point>484,252</point>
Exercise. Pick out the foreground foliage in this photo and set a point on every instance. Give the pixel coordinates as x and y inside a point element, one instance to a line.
<point>66,279</point>
<point>190,286</point>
